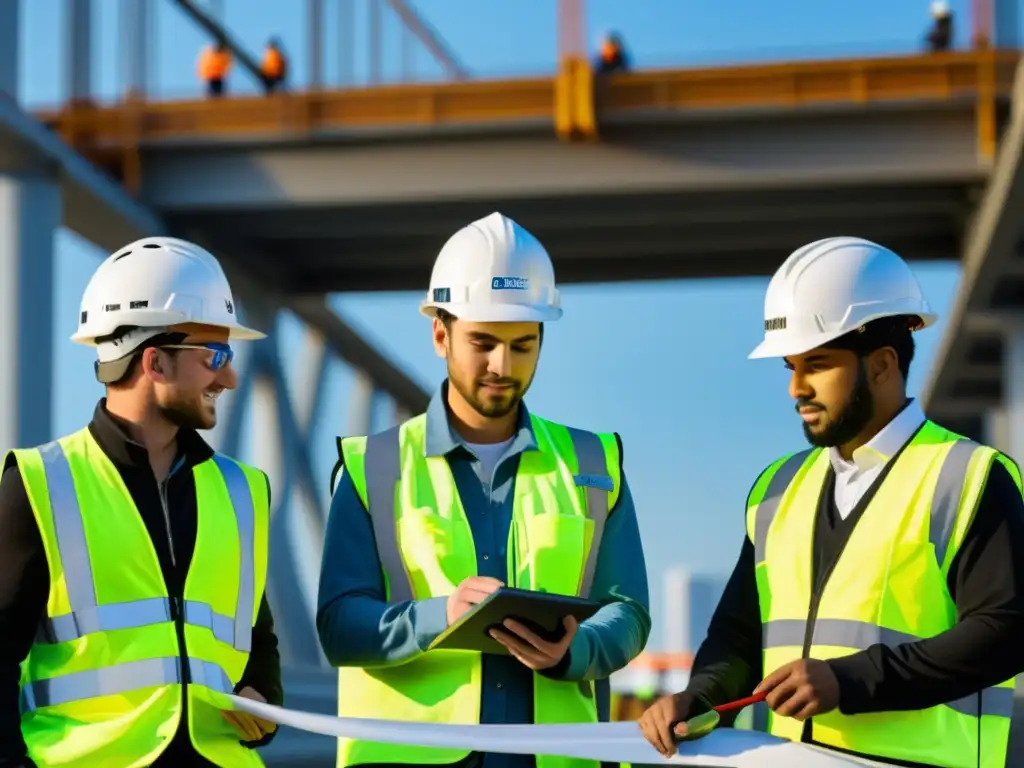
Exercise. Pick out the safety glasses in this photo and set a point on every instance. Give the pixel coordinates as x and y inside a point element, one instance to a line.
<point>222,353</point>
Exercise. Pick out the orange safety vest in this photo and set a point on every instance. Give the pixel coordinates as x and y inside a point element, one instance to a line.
<point>214,65</point>
<point>273,63</point>
<point>608,52</point>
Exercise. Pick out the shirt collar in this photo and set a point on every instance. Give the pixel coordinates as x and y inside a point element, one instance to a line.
<point>112,435</point>
<point>442,439</point>
<point>884,445</point>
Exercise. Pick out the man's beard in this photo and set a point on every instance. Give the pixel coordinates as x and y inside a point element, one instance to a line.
<point>186,415</point>
<point>850,421</point>
<point>487,408</point>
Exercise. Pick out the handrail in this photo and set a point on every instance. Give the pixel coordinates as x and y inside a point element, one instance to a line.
<point>430,38</point>
<point>922,78</point>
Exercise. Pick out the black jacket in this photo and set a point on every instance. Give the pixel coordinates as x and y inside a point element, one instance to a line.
<point>25,581</point>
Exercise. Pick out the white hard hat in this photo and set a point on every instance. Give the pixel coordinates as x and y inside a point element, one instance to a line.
<point>493,271</point>
<point>831,287</point>
<point>157,282</point>
<point>940,8</point>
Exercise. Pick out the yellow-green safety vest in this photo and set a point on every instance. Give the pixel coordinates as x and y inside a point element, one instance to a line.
<point>102,684</point>
<point>564,491</point>
<point>888,586</point>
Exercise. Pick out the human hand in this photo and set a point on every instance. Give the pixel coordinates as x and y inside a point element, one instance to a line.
<point>532,650</point>
<point>801,689</point>
<point>251,728</point>
<point>665,720</point>
<point>470,592</point>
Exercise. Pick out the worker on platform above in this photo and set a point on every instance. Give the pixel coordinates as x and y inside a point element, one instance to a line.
<point>274,67</point>
<point>940,36</point>
<point>482,493</point>
<point>612,56</point>
<point>133,558</point>
<point>878,599</point>
<point>215,64</point>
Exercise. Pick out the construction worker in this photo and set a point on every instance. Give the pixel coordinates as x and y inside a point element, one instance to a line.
<point>215,64</point>
<point>877,601</point>
<point>940,35</point>
<point>273,68</point>
<point>433,515</point>
<point>612,57</point>
<point>133,557</point>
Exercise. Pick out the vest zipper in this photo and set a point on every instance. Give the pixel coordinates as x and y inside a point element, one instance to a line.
<point>177,604</point>
<point>821,582</point>
<point>167,519</point>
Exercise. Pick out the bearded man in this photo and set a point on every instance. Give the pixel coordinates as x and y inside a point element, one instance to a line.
<point>432,516</point>
<point>878,601</point>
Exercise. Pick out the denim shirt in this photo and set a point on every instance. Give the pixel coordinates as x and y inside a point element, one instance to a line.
<point>357,627</point>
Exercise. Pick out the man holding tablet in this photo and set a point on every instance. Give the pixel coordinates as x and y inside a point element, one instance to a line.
<point>433,516</point>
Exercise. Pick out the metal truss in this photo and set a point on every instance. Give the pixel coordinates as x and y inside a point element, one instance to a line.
<point>283,414</point>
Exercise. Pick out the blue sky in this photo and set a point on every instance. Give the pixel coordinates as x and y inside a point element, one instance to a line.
<point>697,418</point>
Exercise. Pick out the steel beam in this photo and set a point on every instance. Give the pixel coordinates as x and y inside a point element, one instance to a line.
<point>990,243</point>
<point>355,350</point>
<point>9,51</point>
<point>30,214</point>
<point>430,38</point>
<point>136,46</point>
<point>78,63</point>
<point>297,519</point>
<point>217,31</point>
<point>315,42</point>
<point>997,433</point>
<point>360,404</point>
<point>1006,23</point>
<point>346,38</point>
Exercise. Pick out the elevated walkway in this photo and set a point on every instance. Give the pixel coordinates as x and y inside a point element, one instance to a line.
<point>661,174</point>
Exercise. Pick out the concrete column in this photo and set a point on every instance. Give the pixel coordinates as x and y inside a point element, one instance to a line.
<point>78,62</point>
<point>1005,23</point>
<point>1013,387</point>
<point>30,213</point>
<point>9,29</point>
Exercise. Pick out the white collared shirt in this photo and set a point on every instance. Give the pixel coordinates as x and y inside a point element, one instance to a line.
<point>854,477</point>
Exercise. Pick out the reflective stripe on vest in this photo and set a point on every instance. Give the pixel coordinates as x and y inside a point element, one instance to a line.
<point>997,701</point>
<point>121,678</point>
<point>86,617</point>
<point>383,470</point>
<point>861,635</point>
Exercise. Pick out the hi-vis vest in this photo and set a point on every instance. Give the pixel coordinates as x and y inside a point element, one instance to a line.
<point>563,494</point>
<point>102,685</point>
<point>888,586</point>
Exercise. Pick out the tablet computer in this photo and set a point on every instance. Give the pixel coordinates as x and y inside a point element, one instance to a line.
<point>542,612</point>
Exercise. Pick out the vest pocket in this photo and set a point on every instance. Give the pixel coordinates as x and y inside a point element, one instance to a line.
<point>552,556</point>
<point>438,552</point>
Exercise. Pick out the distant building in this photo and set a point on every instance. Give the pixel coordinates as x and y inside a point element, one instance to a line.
<point>690,600</point>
